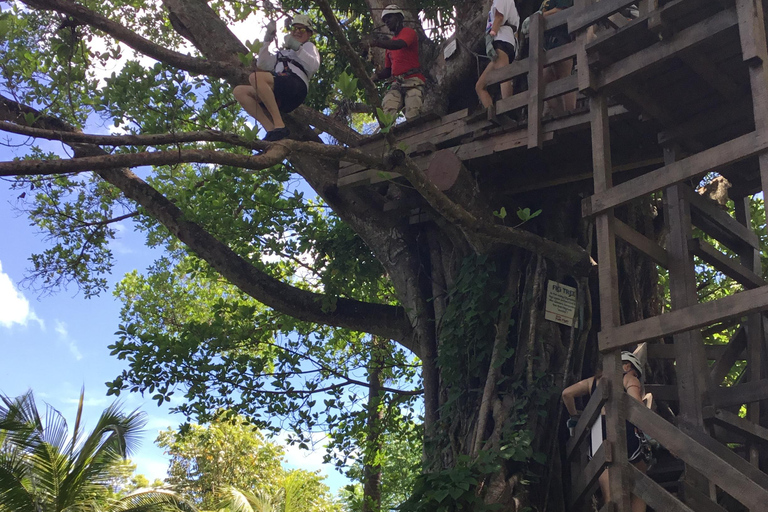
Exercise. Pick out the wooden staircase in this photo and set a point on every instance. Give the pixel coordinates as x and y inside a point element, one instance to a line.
<point>687,83</point>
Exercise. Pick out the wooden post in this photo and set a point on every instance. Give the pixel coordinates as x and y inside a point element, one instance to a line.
<point>750,258</point>
<point>584,73</point>
<point>535,80</point>
<point>691,363</point>
<point>755,52</point>
<point>615,414</point>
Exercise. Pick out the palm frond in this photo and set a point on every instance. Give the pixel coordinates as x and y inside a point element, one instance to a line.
<point>14,496</point>
<point>153,500</point>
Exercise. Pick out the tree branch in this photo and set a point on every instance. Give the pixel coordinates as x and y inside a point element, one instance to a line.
<point>574,259</point>
<point>378,319</point>
<point>346,48</point>
<point>289,146</point>
<point>140,44</point>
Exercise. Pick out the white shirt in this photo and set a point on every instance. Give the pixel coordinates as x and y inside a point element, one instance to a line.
<point>307,56</point>
<point>511,18</point>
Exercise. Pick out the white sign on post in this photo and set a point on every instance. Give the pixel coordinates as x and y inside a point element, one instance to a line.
<point>561,303</point>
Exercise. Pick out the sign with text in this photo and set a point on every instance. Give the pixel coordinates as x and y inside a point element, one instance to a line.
<point>561,303</point>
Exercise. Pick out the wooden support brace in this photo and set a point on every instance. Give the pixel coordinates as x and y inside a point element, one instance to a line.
<point>725,264</point>
<point>642,243</point>
<point>723,365</point>
<point>717,223</point>
<point>738,424</point>
<point>698,500</point>
<point>596,12</point>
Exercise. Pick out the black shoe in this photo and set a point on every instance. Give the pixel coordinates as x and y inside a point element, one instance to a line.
<point>277,134</point>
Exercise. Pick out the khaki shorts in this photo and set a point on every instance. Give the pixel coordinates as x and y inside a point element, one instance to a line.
<point>409,93</point>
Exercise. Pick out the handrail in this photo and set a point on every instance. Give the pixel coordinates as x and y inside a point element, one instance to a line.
<point>591,413</point>
<point>595,13</point>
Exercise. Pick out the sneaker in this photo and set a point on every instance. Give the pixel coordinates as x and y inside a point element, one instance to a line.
<point>277,134</point>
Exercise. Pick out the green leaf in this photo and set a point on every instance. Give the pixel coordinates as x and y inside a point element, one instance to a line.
<point>502,213</point>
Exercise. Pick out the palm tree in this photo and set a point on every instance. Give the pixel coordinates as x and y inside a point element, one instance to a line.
<point>44,469</point>
<point>299,491</point>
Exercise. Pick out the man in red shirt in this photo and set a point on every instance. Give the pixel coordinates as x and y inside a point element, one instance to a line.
<point>401,66</point>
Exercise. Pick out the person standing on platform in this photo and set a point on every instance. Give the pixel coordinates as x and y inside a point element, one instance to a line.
<point>401,66</point>
<point>500,46</point>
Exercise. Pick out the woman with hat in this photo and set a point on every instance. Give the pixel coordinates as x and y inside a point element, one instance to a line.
<point>281,83</point>
<point>638,448</point>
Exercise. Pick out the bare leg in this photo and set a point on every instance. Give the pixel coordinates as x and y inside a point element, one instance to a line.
<point>501,60</point>
<point>265,84</point>
<point>246,96</point>
<point>604,487</point>
<point>637,504</point>
<point>563,69</point>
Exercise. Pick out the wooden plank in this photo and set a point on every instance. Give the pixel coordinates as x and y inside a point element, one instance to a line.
<point>588,416</point>
<point>641,243</point>
<point>653,494</point>
<point>667,351</point>
<point>711,160</point>
<point>535,80</point>
<point>558,19</point>
<point>596,12</point>
<point>567,51</point>
<point>698,500</point>
<point>708,120</point>
<point>562,86</point>
<point>508,72</point>
<point>686,319</point>
<point>707,459</point>
<point>728,266</point>
<point>663,392</point>
<point>733,352</point>
<point>667,48</point>
<point>584,481</point>
<point>748,392</point>
<point>734,422</point>
<point>719,224</point>
<point>751,32</point>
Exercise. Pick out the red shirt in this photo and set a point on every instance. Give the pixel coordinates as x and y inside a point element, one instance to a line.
<point>407,58</point>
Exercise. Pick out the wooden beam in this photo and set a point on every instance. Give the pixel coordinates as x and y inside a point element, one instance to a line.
<point>733,352</point>
<point>735,461</point>
<point>653,494</point>
<point>686,319</point>
<point>712,159</point>
<point>708,460</point>
<point>667,48</point>
<point>667,351</point>
<point>708,120</point>
<point>734,422</point>
<point>642,243</point>
<point>746,393</point>
<point>728,266</point>
<point>590,414</point>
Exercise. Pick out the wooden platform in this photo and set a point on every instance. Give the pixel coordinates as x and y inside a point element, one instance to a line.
<point>676,94</point>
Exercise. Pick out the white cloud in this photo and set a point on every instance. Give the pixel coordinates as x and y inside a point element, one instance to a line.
<point>14,307</point>
<point>61,330</point>
<point>299,458</point>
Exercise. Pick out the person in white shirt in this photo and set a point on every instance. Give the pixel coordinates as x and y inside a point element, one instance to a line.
<point>500,46</point>
<point>281,82</point>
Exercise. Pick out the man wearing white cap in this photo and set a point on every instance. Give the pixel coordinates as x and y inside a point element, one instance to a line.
<point>281,83</point>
